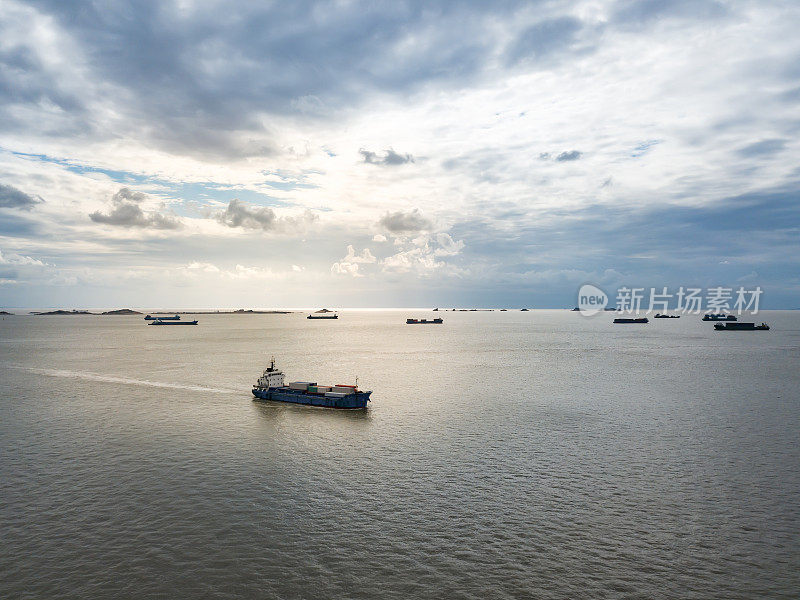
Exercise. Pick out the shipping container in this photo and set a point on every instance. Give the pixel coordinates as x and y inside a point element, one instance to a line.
<point>300,385</point>
<point>334,395</point>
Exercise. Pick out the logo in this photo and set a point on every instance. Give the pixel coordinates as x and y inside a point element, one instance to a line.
<point>591,299</point>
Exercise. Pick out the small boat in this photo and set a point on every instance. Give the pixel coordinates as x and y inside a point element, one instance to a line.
<point>636,320</point>
<point>160,322</point>
<point>157,318</point>
<point>719,317</point>
<point>660,316</point>
<point>740,327</point>
<point>438,321</point>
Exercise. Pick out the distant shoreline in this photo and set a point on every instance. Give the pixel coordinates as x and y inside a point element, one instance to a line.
<point>223,312</point>
<point>127,312</point>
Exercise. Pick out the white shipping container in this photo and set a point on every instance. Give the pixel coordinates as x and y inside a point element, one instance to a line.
<point>343,390</point>
<point>299,385</point>
<point>334,395</point>
<point>323,388</point>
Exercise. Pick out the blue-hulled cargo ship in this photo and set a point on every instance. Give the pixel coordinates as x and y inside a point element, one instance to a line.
<point>271,386</point>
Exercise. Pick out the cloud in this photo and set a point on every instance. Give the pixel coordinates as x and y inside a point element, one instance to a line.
<point>569,156</point>
<point>126,212</point>
<point>544,39</point>
<point>763,148</point>
<point>195,270</point>
<point>17,259</point>
<point>205,267</point>
<point>423,253</point>
<point>341,268</point>
<point>405,222</point>
<point>199,82</point>
<point>11,197</point>
<point>638,12</point>
<point>349,265</point>
<point>446,245</point>
<point>391,158</point>
<point>241,214</point>
<point>378,237</point>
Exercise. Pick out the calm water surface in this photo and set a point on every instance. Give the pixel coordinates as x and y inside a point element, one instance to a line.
<point>504,455</point>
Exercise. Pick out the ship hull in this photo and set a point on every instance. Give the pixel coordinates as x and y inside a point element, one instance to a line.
<point>350,401</point>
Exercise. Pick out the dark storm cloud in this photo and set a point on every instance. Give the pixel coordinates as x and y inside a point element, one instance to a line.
<point>763,148</point>
<point>405,222</point>
<point>569,156</point>
<point>192,79</point>
<point>126,212</point>
<point>391,158</point>
<point>11,197</point>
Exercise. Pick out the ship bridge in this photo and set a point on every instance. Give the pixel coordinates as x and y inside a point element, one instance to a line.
<point>272,377</point>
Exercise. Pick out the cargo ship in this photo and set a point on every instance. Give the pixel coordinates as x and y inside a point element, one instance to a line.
<point>660,316</point>
<point>637,320</point>
<point>437,321</point>
<point>152,318</point>
<point>719,317</point>
<point>170,322</point>
<point>740,327</point>
<point>323,314</point>
<point>270,386</point>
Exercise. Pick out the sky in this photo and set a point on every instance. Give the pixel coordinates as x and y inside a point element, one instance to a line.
<point>201,154</point>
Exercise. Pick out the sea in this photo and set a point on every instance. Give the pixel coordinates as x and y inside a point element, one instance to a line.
<point>540,454</point>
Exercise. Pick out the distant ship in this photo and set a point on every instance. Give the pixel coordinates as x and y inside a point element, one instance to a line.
<point>719,317</point>
<point>660,316</point>
<point>152,318</point>
<point>438,321</point>
<point>270,386</point>
<point>172,322</point>
<point>326,316</point>
<point>740,327</point>
<point>637,320</point>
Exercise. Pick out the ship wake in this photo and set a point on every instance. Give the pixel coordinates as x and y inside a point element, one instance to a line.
<point>124,380</point>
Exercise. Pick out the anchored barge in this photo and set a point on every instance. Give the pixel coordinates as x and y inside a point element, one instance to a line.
<point>719,317</point>
<point>162,322</point>
<point>270,386</point>
<point>626,320</point>
<point>740,327</point>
